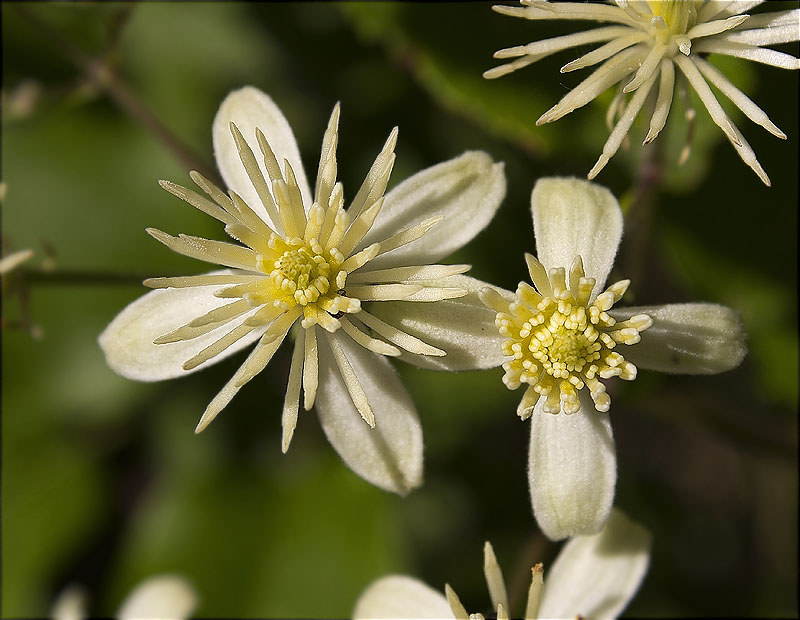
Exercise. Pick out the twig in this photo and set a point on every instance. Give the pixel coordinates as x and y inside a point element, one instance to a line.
<point>100,74</point>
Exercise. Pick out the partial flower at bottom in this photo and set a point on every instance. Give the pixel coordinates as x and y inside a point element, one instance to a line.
<point>648,49</point>
<point>592,577</point>
<point>563,337</point>
<point>355,285</point>
<point>161,597</point>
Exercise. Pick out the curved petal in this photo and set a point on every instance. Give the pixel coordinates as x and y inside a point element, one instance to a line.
<point>390,455</point>
<point>249,108</point>
<point>463,327</point>
<point>128,340</point>
<point>164,596</point>
<point>572,470</point>
<point>597,576</point>
<point>70,604</point>
<point>466,191</point>
<point>698,339</point>
<point>573,217</point>
<point>398,596</point>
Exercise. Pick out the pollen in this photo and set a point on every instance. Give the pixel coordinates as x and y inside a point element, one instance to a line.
<point>559,340</point>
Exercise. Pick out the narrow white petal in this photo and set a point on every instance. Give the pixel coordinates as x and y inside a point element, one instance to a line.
<point>291,404</point>
<point>596,576</point>
<point>572,217</point>
<point>164,596</point>
<point>572,470</point>
<point>494,577</point>
<point>768,29</point>
<point>774,58</point>
<point>464,328</point>
<point>742,101</point>
<point>687,338</point>
<point>249,108</point>
<point>258,359</point>
<point>466,191</point>
<point>128,340</point>
<point>623,125</point>
<point>310,369</point>
<point>389,455</point>
<point>397,596</point>
<point>14,260</point>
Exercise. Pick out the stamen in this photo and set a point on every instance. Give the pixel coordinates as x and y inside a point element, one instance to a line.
<point>558,343</point>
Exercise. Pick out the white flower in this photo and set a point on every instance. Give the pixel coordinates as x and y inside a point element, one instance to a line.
<point>642,48</point>
<point>562,337</point>
<point>593,577</point>
<point>355,282</point>
<point>11,261</point>
<point>162,597</point>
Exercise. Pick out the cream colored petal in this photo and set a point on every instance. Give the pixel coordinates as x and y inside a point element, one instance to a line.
<point>398,596</point>
<point>249,108</point>
<point>70,604</point>
<point>698,339</point>
<point>573,217</point>
<point>389,455</point>
<point>128,340</point>
<point>572,469</point>
<point>466,190</point>
<point>164,597</point>
<point>596,576</point>
<point>464,328</point>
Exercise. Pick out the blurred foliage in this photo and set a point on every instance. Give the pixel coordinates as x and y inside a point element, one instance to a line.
<point>103,481</point>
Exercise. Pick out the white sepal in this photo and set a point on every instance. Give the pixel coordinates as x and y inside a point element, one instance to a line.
<point>466,190</point>
<point>128,340</point>
<point>249,108</point>
<point>397,596</point>
<point>697,339</point>
<point>164,597</point>
<point>389,455</point>
<point>596,576</point>
<point>464,327</point>
<point>572,469</point>
<point>573,217</point>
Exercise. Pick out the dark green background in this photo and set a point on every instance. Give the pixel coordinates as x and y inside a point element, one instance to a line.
<point>103,482</point>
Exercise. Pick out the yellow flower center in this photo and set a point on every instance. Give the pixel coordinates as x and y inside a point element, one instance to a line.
<point>303,273</point>
<point>559,341</point>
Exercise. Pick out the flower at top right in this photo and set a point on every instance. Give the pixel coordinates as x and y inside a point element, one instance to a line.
<point>642,48</point>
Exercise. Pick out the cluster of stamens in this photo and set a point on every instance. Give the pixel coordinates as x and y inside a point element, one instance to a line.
<point>559,340</point>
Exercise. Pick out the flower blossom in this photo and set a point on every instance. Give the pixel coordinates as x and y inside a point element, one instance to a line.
<point>168,597</point>
<point>642,48</point>
<point>356,284</point>
<point>562,336</point>
<point>592,577</point>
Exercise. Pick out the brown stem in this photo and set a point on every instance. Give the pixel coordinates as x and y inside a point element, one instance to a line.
<point>100,74</point>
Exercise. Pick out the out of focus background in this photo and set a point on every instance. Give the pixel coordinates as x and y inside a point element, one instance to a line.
<point>104,482</point>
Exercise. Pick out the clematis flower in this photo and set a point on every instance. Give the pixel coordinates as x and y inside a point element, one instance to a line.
<point>641,49</point>
<point>346,279</point>
<point>592,577</point>
<point>562,336</point>
<point>165,597</point>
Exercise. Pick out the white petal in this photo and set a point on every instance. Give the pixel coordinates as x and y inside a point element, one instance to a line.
<point>572,469</point>
<point>165,597</point>
<point>249,108</point>
<point>388,456</point>
<point>699,339</point>
<point>397,596</point>
<point>70,604</point>
<point>573,217</point>
<point>464,328</point>
<point>128,340</point>
<point>596,576</point>
<point>466,190</point>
